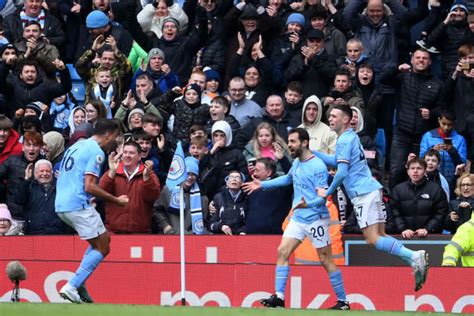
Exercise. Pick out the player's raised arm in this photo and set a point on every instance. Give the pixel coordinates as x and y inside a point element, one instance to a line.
<point>341,174</point>
<point>91,187</point>
<point>329,160</point>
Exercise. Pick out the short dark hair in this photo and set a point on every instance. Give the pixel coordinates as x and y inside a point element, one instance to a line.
<point>221,101</point>
<point>29,23</point>
<point>302,134</point>
<point>104,126</point>
<point>145,76</point>
<point>417,160</point>
<point>318,11</point>
<point>152,118</point>
<point>197,127</point>
<point>433,152</point>
<point>295,86</point>
<point>344,108</point>
<point>268,163</point>
<point>342,72</point>
<point>27,62</point>
<point>447,114</point>
<point>142,135</point>
<point>134,144</point>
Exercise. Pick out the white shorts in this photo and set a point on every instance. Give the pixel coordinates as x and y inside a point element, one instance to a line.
<point>317,232</point>
<point>86,222</point>
<point>369,209</point>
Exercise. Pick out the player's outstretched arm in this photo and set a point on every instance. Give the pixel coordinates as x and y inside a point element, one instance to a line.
<point>341,174</point>
<point>329,160</point>
<point>91,187</point>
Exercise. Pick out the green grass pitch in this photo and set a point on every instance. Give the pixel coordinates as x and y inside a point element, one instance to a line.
<point>44,309</point>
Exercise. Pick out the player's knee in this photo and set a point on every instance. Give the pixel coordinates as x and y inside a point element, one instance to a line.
<point>283,253</point>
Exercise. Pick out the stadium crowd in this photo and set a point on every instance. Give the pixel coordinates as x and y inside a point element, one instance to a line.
<point>228,80</point>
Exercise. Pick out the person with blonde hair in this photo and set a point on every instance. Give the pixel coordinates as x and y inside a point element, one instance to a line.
<point>460,209</point>
<point>266,143</point>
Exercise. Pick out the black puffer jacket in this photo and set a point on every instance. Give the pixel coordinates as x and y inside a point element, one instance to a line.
<point>38,208</point>
<point>417,90</point>
<point>229,212</point>
<point>419,206</point>
<point>460,94</point>
<point>13,171</point>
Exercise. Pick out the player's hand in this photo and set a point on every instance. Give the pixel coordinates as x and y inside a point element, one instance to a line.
<point>321,192</point>
<point>122,200</point>
<point>454,216</point>
<point>226,229</point>
<point>408,234</point>
<point>29,171</point>
<point>300,204</point>
<point>250,187</point>
<point>421,232</point>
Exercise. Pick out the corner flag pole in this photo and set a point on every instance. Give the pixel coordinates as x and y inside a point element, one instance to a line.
<point>181,241</point>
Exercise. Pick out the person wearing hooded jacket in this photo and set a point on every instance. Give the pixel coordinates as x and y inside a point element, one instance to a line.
<point>221,159</point>
<point>53,149</point>
<point>321,138</point>
<point>358,123</point>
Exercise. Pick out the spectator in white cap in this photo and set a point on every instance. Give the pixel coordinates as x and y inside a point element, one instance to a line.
<point>152,16</point>
<point>223,158</point>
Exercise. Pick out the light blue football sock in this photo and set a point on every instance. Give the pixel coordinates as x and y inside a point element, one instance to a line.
<point>338,285</point>
<point>90,261</point>
<point>281,275</point>
<point>394,247</point>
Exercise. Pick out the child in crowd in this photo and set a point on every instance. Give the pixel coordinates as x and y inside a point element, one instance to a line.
<point>59,110</point>
<point>219,110</point>
<point>103,90</point>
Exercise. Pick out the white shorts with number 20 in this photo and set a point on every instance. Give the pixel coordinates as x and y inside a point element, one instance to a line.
<point>317,232</point>
<point>369,209</point>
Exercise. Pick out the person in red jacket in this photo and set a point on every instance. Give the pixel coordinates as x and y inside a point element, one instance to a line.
<point>9,139</point>
<point>128,175</point>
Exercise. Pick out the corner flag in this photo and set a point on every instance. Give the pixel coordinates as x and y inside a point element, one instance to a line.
<point>177,173</point>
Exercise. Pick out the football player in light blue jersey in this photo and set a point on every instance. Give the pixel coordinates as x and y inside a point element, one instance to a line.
<point>77,184</point>
<point>364,192</point>
<point>310,217</point>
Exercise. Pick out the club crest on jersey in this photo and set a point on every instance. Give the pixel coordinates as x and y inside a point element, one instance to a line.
<point>99,159</point>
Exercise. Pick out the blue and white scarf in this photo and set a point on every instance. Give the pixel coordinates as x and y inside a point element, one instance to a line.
<point>108,98</point>
<point>195,204</point>
<point>40,18</point>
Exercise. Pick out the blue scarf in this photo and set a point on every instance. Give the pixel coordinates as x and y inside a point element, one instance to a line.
<point>195,204</point>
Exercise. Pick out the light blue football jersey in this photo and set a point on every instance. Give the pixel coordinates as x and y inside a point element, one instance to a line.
<point>306,177</point>
<point>359,179</point>
<point>84,157</point>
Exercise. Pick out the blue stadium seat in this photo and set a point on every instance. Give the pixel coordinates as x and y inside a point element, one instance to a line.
<point>74,75</point>
<point>79,92</point>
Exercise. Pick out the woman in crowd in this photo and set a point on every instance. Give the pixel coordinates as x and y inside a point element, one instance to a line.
<point>460,209</point>
<point>95,111</point>
<point>267,143</point>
